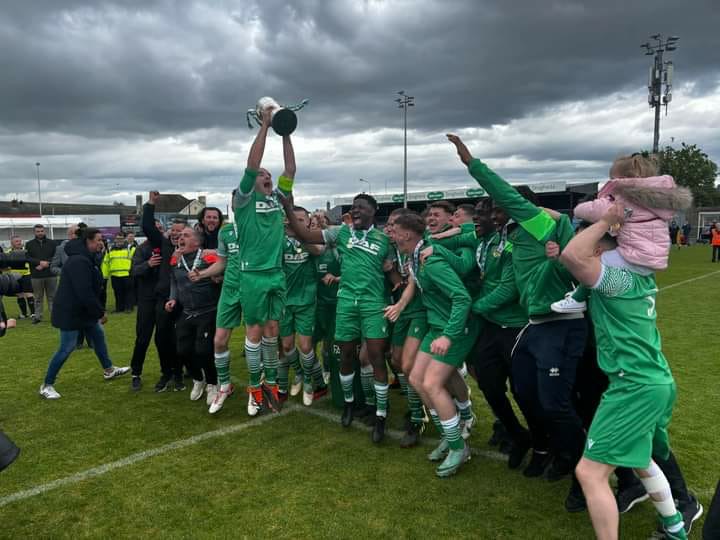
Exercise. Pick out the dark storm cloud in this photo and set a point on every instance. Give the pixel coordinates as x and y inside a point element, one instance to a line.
<point>161,67</point>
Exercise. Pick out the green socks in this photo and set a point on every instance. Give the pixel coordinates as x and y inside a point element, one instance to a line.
<point>222,365</point>
<point>451,432</point>
<point>283,374</point>
<point>381,398</point>
<point>465,408</point>
<point>346,381</point>
<point>366,379</point>
<point>270,358</point>
<point>252,355</point>
<point>415,405</point>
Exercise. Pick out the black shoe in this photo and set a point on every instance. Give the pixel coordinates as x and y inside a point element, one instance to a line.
<point>406,421</point>
<point>629,497</point>
<point>365,410</point>
<point>163,384</point>
<point>412,435</point>
<point>179,385</point>
<point>369,417</point>
<point>691,511</point>
<point>79,346</point>
<point>348,414</point>
<point>538,463</point>
<point>518,451</point>
<point>575,500</point>
<point>378,433</point>
<point>136,383</point>
<point>36,320</point>
<point>558,469</point>
<point>505,446</point>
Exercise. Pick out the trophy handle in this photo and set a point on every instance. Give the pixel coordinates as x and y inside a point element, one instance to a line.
<point>298,106</point>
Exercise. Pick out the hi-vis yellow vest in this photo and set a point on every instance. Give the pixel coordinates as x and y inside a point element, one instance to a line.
<point>25,271</point>
<point>120,261</point>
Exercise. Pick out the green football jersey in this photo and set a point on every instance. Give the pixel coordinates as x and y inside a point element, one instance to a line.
<point>622,307</point>
<point>260,228</point>
<point>228,249</point>
<point>444,296</point>
<point>327,263</point>
<point>299,268</point>
<point>362,255</point>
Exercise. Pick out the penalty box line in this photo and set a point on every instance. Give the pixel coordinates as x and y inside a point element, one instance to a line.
<point>141,456</point>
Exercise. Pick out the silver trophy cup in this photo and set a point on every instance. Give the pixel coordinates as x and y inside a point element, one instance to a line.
<point>284,119</point>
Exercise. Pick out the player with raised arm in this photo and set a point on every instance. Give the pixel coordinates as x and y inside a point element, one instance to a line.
<point>260,236</point>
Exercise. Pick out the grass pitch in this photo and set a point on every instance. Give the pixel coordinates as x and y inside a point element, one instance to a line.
<point>157,465</point>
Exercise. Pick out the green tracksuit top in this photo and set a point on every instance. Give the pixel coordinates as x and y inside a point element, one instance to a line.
<point>540,281</point>
<point>495,295</point>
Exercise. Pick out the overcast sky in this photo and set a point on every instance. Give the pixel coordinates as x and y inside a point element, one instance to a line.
<point>117,98</point>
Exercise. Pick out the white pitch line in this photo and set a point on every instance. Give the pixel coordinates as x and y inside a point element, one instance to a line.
<point>141,456</point>
<point>688,281</point>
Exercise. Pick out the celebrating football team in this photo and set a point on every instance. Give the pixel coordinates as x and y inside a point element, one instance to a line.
<point>557,318</point>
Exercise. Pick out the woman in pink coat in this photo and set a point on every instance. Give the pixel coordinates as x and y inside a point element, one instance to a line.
<point>650,202</point>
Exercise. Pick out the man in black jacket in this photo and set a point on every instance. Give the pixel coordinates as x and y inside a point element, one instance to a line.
<point>151,305</point>
<point>77,307</point>
<point>151,312</point>
<point>41,250</point>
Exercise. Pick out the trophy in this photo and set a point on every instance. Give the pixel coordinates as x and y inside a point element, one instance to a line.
<point>284,119</point>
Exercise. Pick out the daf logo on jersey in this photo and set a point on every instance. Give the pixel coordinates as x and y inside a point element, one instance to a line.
<point>554,372</point>
<point>363,245</point>
<point>322,268</point>
<point>267,206</point>
<point>296,258</point>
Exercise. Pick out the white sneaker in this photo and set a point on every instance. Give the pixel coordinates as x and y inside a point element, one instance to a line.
<point>220,398</point>
<point>253,407</point>
<point>296,385</point>
<point>115,372</point>
<point>48,392</point>
<point>326,377</point>
<point>568,305</point>
<point>466,427</point>
<point>197,390</point>
<point>308,397</point>
<point>212,391</point>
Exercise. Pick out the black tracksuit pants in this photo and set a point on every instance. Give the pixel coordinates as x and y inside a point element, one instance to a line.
<point>195,335</point>
<point>151,316</point>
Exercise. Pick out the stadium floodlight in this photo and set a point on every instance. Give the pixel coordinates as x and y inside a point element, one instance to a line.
<point>660,75</point>
<point>404,102</point>
<point>368,183</point>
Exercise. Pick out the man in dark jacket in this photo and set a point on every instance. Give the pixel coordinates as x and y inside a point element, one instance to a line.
<point>159,283</point>
<point>77,307</point>
<point>41,251</point>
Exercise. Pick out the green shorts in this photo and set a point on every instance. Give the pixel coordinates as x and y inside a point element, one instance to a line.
<point>630,424</point>
<point>298,320</point>
<point>358,319</point>
<point>262,296</point>
<point>460,347</point>
<point>414,326</point>
<point>229,310</point>
<point>324,322</point>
